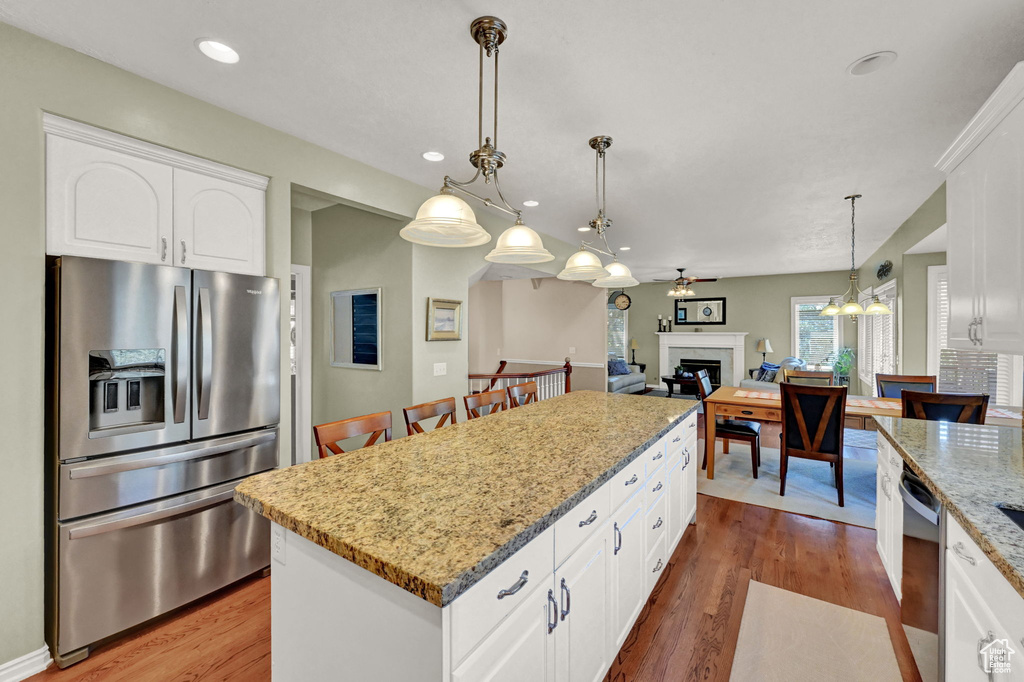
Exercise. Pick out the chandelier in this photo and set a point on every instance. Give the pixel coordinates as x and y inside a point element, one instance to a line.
<point>586,264</point>
<point>848,303</point>
<point>445,219</point>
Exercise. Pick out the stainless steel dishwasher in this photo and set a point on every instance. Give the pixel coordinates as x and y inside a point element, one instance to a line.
<point>922,584</point>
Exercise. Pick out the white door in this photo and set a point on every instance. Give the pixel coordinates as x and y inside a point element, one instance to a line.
<point>218,225</point>
<point>627,568</point>
<point>104,204</point>
<point>582,651</point>
<point>522,647</point>
<point>963,205</point>
<point>970,627</point>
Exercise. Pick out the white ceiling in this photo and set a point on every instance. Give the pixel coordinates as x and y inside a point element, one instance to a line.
<point>737,131</point>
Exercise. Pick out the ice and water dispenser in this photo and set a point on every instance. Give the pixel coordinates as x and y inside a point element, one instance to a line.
<point>126,391</point>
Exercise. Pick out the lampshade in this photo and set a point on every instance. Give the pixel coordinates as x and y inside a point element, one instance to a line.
<point>633,345</point>
<point>831,308</point>
<point>687,291</point>
<point>764,346</point>
<point>876,307</point>
<point>445,220</point>
<point>851,307</point>
<point>616,276</point>
<point>582,265</point>
<point>519,244</point>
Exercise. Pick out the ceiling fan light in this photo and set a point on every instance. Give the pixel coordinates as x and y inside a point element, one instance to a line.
<point>616,276</point>
<point>519,244</point>
<point>445,220</point>
<point>876,307</point>
<point>851,307</point>
<point>582,265</point>
<point>831,308</point>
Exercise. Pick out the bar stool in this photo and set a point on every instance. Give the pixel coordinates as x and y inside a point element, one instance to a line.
<point>487,401</point>
<point>516,393</point>
<point>965,408</point>
<point>444,408</point>
<point>328,435</point>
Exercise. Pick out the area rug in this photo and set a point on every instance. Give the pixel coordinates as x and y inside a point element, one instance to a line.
<point>810,487</point>
<point>789,637</point>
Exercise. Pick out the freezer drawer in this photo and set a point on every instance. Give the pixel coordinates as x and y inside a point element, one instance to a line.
<point>121,569</point>
<point>108,483</point>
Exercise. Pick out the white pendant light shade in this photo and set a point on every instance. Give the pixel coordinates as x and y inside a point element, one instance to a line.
<point>445,220</point>
<point>851,307</point>
<point>582,265</point>
<point>831,308</point>
<point>617,276</point>
<point>519,244</point>
<point>876,307</point>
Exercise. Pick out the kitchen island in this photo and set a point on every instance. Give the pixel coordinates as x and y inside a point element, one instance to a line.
<point>457,554</point>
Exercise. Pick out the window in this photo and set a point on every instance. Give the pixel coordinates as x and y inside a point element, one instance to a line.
<point>617,326</point>
<point>876,337</point>
<point>816,339</point>
<point>966,371</point>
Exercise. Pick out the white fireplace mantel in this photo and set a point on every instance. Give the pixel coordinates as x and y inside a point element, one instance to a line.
<point>734,341</point>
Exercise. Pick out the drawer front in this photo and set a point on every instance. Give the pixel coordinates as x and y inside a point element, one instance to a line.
<point>657,522</point>
<point>655,456</point>
<point>627,481</point>
<point>657,484</point>
<point>993,587</point>
<point>581,522</point>
<point>755,413</point>
<point>656,561</point>
<point>483,606</point>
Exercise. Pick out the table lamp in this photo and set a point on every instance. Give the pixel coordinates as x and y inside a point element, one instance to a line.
<point>633,345</point>
<point>764,346</point>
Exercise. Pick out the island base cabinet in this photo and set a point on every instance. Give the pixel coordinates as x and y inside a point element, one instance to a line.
<point>582,634</point>
<point>971,630</point>
<point>627,569</point>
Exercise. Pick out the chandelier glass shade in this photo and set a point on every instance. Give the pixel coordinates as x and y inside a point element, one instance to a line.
<point>519,244</point>
<point>849,303</point>
<point>582,265</point>
<point>616,276</point>
<point>445,220</point>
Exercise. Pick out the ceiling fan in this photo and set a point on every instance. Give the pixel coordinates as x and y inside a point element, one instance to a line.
<point>682,284</point>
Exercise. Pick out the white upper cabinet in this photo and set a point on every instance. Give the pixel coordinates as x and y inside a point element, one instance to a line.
<point>985,217</point>
<point>111,196</point>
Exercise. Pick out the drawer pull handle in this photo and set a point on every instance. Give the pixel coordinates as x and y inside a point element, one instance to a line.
<point>657,525</point>
<point>163,248</point>
<point>516,586</point>
<point>677,439</point>
<point>746,412</point>
<point>553,609</point>
<point>982,643</point>
<point>657,456</point>
<point>657,568</point>
<point>961,552</point>
<point>568,600</point>
<point>182,251</point>
<point>632,480</point>
<point>590,519</point>
<point>658,487</point>
<point>618,537</point>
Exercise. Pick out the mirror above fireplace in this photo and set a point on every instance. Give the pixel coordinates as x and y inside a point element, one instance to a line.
<point>699,311</point>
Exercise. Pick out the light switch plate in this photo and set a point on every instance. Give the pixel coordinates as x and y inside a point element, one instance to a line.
<point>278,545</point>
<point>440,369</point>
<point>572,350</point>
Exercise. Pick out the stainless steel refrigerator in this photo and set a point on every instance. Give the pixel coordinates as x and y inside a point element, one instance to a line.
<point>163,392</point>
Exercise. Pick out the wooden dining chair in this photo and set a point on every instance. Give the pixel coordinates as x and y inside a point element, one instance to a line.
<point>484,403</point>
<point>522,394</point>
<point>965,408</point>
<point>812,428</point>
<point>443,408</point>
<point>808,378</point>
<point>328,435</point>
<point>730,429</point>
<point>892,385</point>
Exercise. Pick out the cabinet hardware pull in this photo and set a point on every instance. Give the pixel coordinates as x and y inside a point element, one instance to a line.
<point>657,456</point>
<point>686,459</point>
<point>590,519</point>
<point>982,643</point>
<point>632,480</point>
<point>658,487</point>
<point>618,538</point>
<point>977,332</point>
<point>677,439</point>
<point>552,608</point>
<point>746,411</point>
<point>182,251</point>
<point>961,551</point>
<point>568,600</point>
<point>657,568</point>
<point>163,248</point>
<point>516,586</point>
<point>657,525</point>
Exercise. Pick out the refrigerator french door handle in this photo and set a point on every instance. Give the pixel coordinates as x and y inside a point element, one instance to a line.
<point>180,354</point>
<point>204,358</point>
<point>149,517</point>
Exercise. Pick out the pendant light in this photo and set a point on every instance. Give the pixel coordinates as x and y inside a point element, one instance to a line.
<point>586,264</point>
<point>849,303</point>
<point>447,220</point>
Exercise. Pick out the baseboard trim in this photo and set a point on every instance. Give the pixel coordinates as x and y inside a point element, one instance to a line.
<point>26,666</point>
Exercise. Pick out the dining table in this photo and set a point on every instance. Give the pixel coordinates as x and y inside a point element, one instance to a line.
<point>731,402</point>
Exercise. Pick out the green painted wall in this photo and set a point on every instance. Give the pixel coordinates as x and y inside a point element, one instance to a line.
<point>915,310</point>
<point>302,236</point>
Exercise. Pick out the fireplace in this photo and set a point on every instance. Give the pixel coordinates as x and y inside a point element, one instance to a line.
<point>725,347</point>
<point>713,367</point>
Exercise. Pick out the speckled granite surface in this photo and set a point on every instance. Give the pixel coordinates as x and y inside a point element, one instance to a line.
<point>434,513</point>
<point>970,468</point>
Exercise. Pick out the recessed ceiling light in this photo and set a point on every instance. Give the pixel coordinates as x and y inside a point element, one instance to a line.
<point>531,203</point>
<point>217,51</point>
<point>433,156</point>
<point>583,229</point>
<point>871,63</point>
<point>623,248</point>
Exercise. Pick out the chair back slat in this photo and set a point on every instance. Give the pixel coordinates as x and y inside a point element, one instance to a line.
<point>704,385</point>
<point>965,408</point>
<point>892,385</point>
<point>444,408</point>
<point>808,378</point>
<point>817,410</point>
<point>485,403</point>
<point>328,435</point>
<point>522,394</point>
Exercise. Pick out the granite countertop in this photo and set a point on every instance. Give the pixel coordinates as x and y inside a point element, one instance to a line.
<point>970,468</point>
<point>434,513</point>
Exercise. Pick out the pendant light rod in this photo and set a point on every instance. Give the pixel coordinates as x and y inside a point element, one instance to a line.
<point>601,223</point>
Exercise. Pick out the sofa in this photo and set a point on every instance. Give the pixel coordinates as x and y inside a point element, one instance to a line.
<point>752,384</point>
<point>634,382</point>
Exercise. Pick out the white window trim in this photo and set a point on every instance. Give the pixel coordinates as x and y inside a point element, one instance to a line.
<point>934,272</point>
<point>794,323</point>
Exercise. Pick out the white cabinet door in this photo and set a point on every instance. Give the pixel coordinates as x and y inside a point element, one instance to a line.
<point>963,218</point>
<point>522,647</point>
<point>582,637</point>
<point>101,203</point>
<point>689,474</point>
<point>626,569</point>
<point>676,504</point>
<point>218,225</point>
<point>895,524</point>
<point>883,509</point>
<point>970,628</point>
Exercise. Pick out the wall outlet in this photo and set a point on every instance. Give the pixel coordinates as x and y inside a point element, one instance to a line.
<point>440,369</point>
<point>498,353</point>
<point>572,350</point>
<point>278,545</point>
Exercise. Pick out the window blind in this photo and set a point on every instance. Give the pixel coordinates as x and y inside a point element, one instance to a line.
<point>617,331</point>
<point>816,337</point>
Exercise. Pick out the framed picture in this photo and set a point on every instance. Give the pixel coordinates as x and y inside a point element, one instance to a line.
<point>692,311</point>
<point>356,329</point>
<point>444,320</point>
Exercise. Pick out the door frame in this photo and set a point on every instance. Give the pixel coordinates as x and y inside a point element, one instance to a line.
<point>303,410</point>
